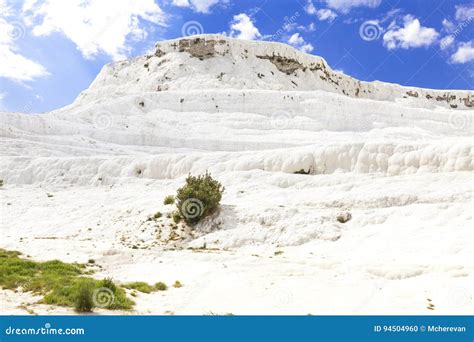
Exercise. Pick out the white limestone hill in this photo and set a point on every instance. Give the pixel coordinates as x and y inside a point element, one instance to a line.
<point>294,143</point>
<point>210,62</point>
<point>212,93</point>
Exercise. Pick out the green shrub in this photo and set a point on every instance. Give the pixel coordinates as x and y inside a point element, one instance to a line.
<point>176,217</point>
<point>168,200</point>
<point>1,182</point>
<point>198,198</point>
<point>84,301</point>
<point>177,284</point>
<point>157,215</point>
<point>160,286</point>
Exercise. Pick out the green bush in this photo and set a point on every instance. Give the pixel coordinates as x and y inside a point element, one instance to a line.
<point>160,286</point>
<point>176,217</point>
<point>198,198</point>
<point>84,301</point>
<point>168,200</point>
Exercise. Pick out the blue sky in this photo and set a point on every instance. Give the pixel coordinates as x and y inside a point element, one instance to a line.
<point>50,50</point>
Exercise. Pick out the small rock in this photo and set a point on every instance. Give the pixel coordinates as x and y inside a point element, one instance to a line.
<point>344,217</point>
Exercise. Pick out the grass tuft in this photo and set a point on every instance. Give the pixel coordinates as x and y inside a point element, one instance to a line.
<point>176,216</point>
<point>168,200</point>
<point>84,301</point>
<point>140,286</point>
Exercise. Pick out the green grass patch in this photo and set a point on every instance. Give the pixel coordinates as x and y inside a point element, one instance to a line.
<point>168,200</point>
<point>140,286</point>
<point>145,287</point>
<point>60,283</point>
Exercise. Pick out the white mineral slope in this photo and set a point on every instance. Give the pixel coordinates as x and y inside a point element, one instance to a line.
<point>81,181</point>
<point>217,62</point>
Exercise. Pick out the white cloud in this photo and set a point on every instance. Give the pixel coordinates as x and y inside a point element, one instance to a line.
<point>309,28</point>
<point>411,35</point>
<point>391,14</point>
<point>288,27</point>
<point>242,27</point>
<point>309,8</point>
<point>14,65</point>
<point>95,26</point>
<point>298,42</point>
<point>326,14</point>
<point>181,3</point>
<point>464,53</point>
<point>448,25</point>
<point>446,41</point>
<point>5,10</point>
<point>322,14</point>
<point>345,6</point>
<point>202,6</point>
<point>464,13</point>
<point>28,4</point>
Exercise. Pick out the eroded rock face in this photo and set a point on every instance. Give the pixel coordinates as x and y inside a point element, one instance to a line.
<point>159,52</point>
<point>199,47</point>
<point>284,64</point>
<point>450,98</point>
<point>469,101</point>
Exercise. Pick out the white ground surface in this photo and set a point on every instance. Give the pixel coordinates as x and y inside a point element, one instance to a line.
<point>401,166</point>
